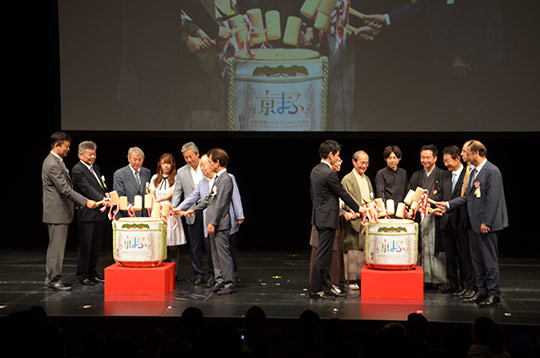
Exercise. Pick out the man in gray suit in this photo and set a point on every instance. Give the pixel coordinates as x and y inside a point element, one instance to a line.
<point>58,207</point>
<point>486,208</point>
<point>236,210</point>
<point>186,181</point>
<point>218,203</point>
<point>131,180</point>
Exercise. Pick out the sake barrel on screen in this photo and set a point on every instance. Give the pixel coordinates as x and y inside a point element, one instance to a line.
<point>139,242</point>
<point>391,244</point>
<point>277,89</point>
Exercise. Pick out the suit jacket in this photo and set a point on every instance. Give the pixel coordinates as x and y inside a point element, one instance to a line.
<point>125,184</point>
<point>353,238</point>
<point>469,29</point>
<point>485,200</point>
<point>326,190</point>
<point>85,183</point>
<point>58,194</point>
<point>183,187</point>
<point>456,219</point>
<point>202,190</point>
<point>218,203</point>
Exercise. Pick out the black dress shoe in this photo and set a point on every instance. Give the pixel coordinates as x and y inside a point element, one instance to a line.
<point>467,294</point>
<point>446,288</point>
<point>97,279</point>
<point>58,286</point>
<point>336,293</point>
<point>475,298</point>
<point>87,282</point>
<point>197,281</point>
<point>490,301</point>
<point>214,288</point>
<point>321,295</point>
<point>459,292</point>
<point>226,291</point>
<point>211,282</point>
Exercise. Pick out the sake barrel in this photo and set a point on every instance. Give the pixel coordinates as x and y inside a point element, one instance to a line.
<point>277,90</point>
<point>139,242</point>
<point>391,244</point>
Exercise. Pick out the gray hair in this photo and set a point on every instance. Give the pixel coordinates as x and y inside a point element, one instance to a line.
<point>356,154</point>
<point>87,144</point>
<point>135,150</point>
<point>189,146</point>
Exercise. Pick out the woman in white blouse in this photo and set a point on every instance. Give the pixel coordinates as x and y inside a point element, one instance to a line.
<point>161,188</point>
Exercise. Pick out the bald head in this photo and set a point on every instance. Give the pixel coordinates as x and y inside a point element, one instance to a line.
<point>360,161</point>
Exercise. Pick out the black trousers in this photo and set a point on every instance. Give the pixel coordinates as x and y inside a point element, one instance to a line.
<point>459,267</point>
<point>90,241</point>
<point>320,273</point>
<point>196,242</point>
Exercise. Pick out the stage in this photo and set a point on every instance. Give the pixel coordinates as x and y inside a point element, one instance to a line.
<point>276,281</point>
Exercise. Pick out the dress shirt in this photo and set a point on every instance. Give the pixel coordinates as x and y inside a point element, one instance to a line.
<point>455,176</point>
<point>90,167</point>
<point>196,175</point>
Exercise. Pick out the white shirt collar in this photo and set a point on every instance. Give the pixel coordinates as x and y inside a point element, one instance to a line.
<point>325,162</point>
<point>458,172</point>
<point>133,170</point>
<point>481,165</point>
<point>86,165</point>
<point>57,156</point>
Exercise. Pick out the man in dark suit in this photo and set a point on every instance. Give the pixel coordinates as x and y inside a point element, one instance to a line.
<point>58,205</point>
<point>218,221</point>
<point>131,180</point>
<point>486,207</point>
<point>87,180</point>
<point>453,228</point>
<point>326,190</point>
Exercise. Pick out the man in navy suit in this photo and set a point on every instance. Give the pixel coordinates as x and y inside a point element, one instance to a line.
<point>131,180</point>
<point>87,180</point>
<point>453,226</point>
<point>486,208</point>
<point>326,190</point>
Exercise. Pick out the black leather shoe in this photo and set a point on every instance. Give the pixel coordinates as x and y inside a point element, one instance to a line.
<point>459,292</point>
<point>336,293</point>
<point>321,295</point>
<point>97,279</point>
<point>87,282</point>
<point>474,298</point>
<point>197,281</point>
<point>211,282</point>
<point>214,288</point>
<point>468,295</point>
<point>225,291</point>
<point>446,288</point>
<point>58,286</point>
<point>490,301</point>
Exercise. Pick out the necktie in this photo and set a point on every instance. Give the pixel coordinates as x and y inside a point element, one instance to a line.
<point>137,178</point>
<point>454,176</point>
<point>95,175</point>
<point>465,180</point>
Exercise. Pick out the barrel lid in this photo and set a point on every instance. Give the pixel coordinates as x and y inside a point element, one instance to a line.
<point>278,54</point>
<point>392,221</point>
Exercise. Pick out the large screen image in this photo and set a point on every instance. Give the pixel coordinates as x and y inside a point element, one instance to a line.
<point>296,65</point>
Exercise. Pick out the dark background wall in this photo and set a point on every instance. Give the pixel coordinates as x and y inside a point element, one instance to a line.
<point>272,169</point>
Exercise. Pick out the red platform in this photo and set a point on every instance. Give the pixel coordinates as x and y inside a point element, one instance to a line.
<point>385,284</point>
<point>146,281</point>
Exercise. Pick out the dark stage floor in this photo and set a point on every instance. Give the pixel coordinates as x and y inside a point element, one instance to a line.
<point>275,281</point>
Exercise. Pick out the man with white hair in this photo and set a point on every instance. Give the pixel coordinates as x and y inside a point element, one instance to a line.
<point>131,180</point>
